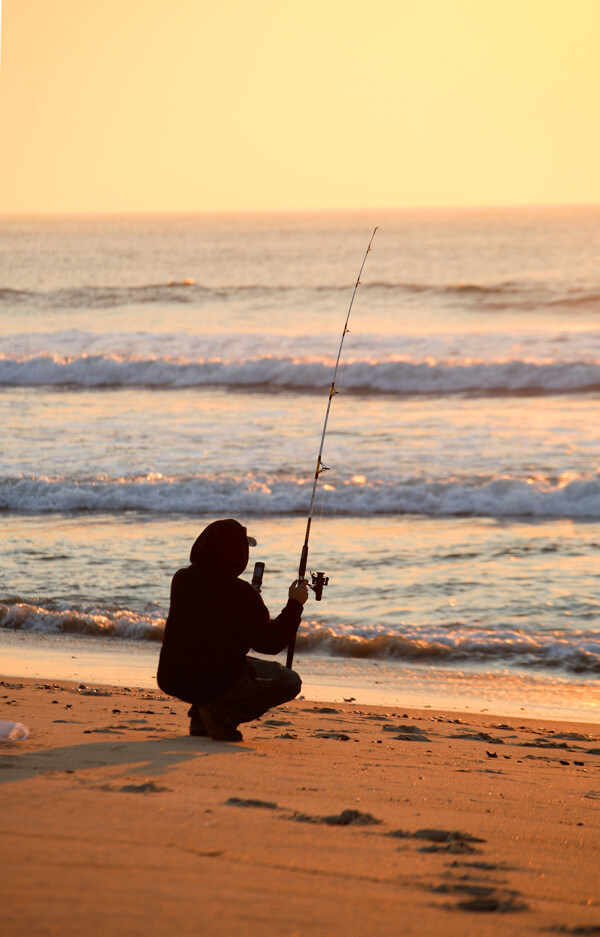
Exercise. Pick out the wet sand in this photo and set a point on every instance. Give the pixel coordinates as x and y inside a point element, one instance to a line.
<point>326,820</point>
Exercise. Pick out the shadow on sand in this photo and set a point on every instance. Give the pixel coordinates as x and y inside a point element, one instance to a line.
<point>151,755</point>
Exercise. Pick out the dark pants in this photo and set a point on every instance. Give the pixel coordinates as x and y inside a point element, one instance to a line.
<point>263,684</point>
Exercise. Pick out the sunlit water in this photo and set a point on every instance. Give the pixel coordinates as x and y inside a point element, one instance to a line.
<point>460,521</point>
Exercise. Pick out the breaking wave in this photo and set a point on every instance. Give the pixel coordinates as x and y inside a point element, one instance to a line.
<point>88,620</point>
<point>574,652</point>
<point>397,377</point>
<point>268,495</point>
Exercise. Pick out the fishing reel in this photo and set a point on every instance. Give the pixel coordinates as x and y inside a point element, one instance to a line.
<point>318,583</point>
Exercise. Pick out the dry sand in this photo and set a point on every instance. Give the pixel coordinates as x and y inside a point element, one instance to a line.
<point>326,820</point>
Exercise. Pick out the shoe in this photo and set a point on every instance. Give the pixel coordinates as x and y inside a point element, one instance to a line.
<point>199,730</point>
<point>218,728</point>
<point>197,726</point>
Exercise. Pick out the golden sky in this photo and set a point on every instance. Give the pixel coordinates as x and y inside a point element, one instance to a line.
<point>160,105</point>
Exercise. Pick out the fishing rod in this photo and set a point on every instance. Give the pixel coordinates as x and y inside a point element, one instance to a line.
<point>319,580</point>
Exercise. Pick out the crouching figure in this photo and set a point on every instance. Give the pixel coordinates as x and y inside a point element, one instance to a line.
<point>214,619</point>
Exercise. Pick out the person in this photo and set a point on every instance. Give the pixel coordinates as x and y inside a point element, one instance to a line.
<point>214,619</point>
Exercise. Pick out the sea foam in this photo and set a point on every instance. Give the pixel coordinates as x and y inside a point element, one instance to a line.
<point>281,495</point>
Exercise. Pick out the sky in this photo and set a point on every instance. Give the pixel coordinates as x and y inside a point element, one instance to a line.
<point>267,105</point>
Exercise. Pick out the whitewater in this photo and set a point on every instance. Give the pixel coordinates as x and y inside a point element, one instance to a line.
<point>271,495</point>
<point>156,373</point>
<point>398,377</point>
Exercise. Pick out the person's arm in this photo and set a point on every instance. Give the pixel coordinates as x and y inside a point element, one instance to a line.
<point>271,635</point>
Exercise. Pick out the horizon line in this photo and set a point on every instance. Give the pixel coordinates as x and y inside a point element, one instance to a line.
<point>141,212</point>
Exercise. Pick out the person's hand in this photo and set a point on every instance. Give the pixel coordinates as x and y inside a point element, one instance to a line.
<point>299,590</point>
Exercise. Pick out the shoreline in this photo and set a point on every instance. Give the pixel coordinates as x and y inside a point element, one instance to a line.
<point>326,820</point>
<point>118,662</point>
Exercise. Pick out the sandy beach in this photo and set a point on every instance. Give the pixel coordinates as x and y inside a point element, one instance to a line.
<point>324,274</point>
<point>326,820</point>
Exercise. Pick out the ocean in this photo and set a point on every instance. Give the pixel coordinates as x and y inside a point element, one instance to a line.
<point>158,372</point>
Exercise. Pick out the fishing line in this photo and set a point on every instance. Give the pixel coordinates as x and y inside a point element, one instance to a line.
<point>319,579</point>
<point>322,503</point>
<point>341,378</point>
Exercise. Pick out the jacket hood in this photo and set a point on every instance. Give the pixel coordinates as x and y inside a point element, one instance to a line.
<point>223,545</point>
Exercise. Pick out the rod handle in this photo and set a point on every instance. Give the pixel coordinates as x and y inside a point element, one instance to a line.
<point>301,575</point>
<point>303,562</point>
<point>290,653</point>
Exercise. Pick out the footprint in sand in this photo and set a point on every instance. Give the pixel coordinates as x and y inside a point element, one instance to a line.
<point>340,736</point>
<point>478,737</point>
<point>407,733</point>
<point>480,866</point>
<point>345,818</point>
<point>582,930</point>
<point>148,787</point>
<point>545,743</point>
<point>452,841</point>
<point>410,738</point>
<point>249,802</point>
<point>108,730</point>
<point>484,898</point>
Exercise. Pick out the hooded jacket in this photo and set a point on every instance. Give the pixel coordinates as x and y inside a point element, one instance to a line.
<point>215,618</point>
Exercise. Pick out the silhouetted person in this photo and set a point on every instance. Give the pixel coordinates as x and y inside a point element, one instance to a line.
<point>214,619</point>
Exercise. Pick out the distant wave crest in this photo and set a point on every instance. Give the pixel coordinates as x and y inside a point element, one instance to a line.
<point>269,495</point>
<point>103,297</point>
<point>511,293</point>
<point>400,377</point>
